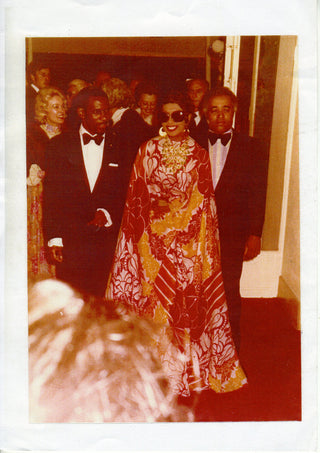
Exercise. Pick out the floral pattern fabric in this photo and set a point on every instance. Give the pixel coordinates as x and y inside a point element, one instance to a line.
<point>38,267</point>
<point>167,267</point>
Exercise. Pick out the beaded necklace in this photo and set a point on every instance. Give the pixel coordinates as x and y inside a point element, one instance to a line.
<point>50,130</point>
<point>174,154</point>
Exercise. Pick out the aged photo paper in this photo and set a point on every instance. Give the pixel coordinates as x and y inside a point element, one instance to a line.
<point>63,29</point>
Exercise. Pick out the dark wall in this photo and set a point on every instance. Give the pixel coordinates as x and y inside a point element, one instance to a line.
<point>165,72</point>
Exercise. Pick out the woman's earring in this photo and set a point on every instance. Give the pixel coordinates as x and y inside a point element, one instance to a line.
<point>162,132</point>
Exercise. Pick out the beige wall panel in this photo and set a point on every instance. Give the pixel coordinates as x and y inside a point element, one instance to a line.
<point>194,47</point>
<point>291,253</point>
<point>279,142</point>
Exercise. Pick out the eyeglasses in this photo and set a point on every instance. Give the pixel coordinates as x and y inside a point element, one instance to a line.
<point>178,116</point>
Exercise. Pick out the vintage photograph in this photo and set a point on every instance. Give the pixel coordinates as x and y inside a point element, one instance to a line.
<point>163,229</point>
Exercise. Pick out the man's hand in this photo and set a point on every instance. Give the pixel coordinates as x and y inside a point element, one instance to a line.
<point>99,219</point>
<point>252,248</point>
<point>56,253</point>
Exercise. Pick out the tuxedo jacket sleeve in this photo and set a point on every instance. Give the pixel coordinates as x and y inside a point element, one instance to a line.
<point>68,202</point>
<point>36,144</point>
<point>241,190</point>
<point>258,181</point>
<point>31,95</point>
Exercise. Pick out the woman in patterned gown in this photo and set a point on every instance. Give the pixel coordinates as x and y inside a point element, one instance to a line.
<point>50,114</point>
<point>167,260</point>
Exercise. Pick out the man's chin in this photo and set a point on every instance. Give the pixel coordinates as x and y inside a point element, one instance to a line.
<point>220,130</point>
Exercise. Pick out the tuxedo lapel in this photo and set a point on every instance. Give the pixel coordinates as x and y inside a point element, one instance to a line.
<point>104,164</point>
<point>75,158</point>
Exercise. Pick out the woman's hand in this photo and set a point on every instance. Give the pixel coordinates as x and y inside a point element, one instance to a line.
<point>56,254</point>
<point>36,175</point>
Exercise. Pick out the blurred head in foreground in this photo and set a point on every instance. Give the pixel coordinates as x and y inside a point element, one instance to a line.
<point>86,364</point>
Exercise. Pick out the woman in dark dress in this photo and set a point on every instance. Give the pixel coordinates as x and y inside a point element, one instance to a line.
<point>50,114</point>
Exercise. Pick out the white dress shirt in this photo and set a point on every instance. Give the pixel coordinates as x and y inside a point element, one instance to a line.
<point>218,155</point>
<point>92,157</point>
<point>35,87</point>
<point>197,117</point>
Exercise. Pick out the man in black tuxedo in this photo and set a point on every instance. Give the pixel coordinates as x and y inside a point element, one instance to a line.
<point>84,195</point>
<point>239,170</point>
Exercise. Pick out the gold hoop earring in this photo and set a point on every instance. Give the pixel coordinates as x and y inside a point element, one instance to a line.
<point>162,132</point>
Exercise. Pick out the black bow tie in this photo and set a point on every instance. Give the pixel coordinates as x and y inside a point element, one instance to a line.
<point>87,138</point>
<point>223,137</point>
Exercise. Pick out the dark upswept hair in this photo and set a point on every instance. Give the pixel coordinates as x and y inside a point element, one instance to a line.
<point>176,97</point>
<point>145,87</point>
<point>219,91</point>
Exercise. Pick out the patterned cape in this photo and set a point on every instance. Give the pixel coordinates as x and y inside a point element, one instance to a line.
<point>167,266</point>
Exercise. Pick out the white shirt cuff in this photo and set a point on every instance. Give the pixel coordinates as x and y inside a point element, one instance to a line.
<point>106,213</point>
<point>57,242</point>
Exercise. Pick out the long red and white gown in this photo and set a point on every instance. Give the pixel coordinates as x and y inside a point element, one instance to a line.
<point>167,266</point>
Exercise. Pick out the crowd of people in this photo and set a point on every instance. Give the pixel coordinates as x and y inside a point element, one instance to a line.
<point>147,202</point>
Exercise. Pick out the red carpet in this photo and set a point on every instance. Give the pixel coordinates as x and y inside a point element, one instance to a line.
<point>270,356</point>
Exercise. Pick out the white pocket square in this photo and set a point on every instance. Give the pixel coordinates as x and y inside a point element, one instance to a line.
<point>111,164</point>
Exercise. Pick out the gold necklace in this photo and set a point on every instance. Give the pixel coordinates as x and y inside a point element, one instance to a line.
<point>174,155</point>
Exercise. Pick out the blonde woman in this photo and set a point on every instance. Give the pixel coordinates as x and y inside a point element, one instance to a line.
<point>50,114</point>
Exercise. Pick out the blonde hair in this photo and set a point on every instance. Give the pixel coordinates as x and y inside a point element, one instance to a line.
<point>42,100</point>
<point>88,364</point>
<point>118,93</point>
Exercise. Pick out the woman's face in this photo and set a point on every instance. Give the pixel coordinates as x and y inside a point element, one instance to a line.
<point>147,103</point>
<point>56,112</point>
<point>174,121</point>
